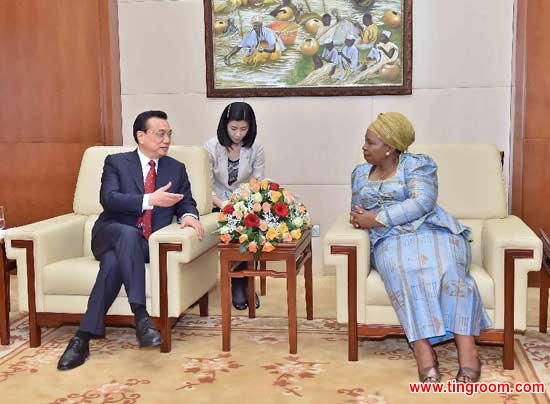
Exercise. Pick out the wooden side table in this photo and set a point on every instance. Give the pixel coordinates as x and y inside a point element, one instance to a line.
<point>294,254</point>
<point>544,281</point>
<point>4,296</point>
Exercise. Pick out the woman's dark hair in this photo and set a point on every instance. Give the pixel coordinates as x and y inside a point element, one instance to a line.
<point>237,111</point>
<point>140,124</point>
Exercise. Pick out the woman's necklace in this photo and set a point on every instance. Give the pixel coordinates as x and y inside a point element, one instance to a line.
<point>379,175</point>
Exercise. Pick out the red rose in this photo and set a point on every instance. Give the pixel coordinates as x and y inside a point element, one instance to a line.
<point>251,220</point>
<point>228,209</point>
<point>274,186</point>
<point>280,209</point>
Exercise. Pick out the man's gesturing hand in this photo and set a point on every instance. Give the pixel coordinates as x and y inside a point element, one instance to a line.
<point>165,199</point>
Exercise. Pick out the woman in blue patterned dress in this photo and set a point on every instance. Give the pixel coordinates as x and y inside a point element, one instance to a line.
<point>421,252</point>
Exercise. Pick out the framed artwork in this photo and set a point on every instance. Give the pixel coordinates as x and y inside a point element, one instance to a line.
<point>272,48</point>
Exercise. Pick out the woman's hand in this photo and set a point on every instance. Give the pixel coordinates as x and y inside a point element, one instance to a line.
<point>217,202</point>
<point>363,219</point>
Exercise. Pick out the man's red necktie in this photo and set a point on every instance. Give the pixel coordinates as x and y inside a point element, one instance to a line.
<point>147,218</point>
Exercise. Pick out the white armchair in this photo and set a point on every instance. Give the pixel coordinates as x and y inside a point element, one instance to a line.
<point>471,187</point>
<point>56,267</point>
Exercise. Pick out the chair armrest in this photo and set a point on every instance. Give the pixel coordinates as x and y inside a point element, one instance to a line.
<point>54,239</point>
<point>192,247</point>
<point>341,233</point>
<point>499,235</point>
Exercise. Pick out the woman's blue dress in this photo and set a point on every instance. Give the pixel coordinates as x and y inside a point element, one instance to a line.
<point>422,253</point>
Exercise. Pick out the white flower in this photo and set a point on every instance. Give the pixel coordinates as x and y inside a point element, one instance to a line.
<point>240,206</point>
<point>257,197</point>
<point>298,222</point>
<point>224,230</point>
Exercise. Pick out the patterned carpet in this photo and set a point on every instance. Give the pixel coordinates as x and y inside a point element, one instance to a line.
<point>257,370</point>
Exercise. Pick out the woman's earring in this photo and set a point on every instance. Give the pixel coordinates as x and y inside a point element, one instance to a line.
<point>387,153</point>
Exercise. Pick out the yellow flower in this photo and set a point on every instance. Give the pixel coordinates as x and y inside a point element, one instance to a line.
<point>283,228</point>
<point>275,196</point>
<point>296,234</point>
<point>272,234</point>
<point>264,184</point>
<point>243,238</point>
<point>222,217</point>
<point>254,185</point>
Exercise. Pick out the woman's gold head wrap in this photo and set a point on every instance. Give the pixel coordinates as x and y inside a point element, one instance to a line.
<point>394,129</point>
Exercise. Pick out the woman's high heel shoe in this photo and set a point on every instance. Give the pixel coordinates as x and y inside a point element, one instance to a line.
<point>239,293</point>
<point>430,374</point>
<point>468,375</point>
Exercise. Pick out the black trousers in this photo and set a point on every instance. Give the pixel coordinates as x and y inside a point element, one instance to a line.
<point>122,252</point>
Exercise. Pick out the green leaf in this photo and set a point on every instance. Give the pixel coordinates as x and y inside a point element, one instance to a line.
<point>243,247</point>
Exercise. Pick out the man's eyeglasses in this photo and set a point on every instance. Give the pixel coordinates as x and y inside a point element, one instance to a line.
<point>160,134</point>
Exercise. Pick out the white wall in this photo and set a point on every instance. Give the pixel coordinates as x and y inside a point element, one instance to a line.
<point>462,63</point>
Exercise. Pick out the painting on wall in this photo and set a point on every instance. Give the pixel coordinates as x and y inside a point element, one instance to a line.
<point>308,47</point>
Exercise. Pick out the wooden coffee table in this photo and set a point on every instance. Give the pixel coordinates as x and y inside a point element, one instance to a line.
<point>294,254</point>
<point>544,281</point>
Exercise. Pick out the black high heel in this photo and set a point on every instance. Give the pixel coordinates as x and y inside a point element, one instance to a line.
<point>238,293</point>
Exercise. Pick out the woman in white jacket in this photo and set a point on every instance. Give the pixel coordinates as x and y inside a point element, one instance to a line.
<point>235,158</point>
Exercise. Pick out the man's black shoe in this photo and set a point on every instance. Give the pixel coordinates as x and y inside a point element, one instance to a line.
<point>146,333</point>
<point>75,354</point>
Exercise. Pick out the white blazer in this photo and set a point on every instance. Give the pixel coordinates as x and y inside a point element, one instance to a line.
<point>251,165</point>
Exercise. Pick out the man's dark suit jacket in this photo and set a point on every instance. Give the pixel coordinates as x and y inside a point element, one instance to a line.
<point>122,190</point>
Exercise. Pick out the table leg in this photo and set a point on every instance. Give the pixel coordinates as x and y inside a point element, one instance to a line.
<point>263,282</point>
<point>225,303</point>
<point>291,301</point>
<point>543,303</point>
<point>4,300</point>
<point>251,298</point>
<point>308,276</point>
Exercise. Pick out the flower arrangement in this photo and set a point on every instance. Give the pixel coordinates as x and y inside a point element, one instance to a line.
<point>261,214</point>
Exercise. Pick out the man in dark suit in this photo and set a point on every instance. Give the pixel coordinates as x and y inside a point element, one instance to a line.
<point>141,192</point>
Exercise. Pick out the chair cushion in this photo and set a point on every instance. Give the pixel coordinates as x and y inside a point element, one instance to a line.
<point>376,292</point>
<point>471,185</point>
<point>76,276</point>
<point>462,190</point>
<point>195,158</point>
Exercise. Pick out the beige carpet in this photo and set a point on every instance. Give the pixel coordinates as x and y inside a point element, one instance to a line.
<point>257,370</point>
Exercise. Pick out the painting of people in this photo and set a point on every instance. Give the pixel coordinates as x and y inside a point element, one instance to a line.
<point>308,47</point>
